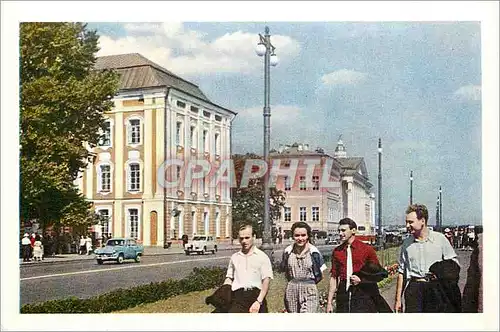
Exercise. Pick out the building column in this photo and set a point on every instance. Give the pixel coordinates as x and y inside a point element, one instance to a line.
<point>350,205</point>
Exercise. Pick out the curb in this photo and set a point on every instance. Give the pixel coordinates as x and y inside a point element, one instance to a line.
<point>76,259</point>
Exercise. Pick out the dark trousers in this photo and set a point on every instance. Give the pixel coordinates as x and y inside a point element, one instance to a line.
<point>414,296</point>
<point>243,299</point>
<point>26,252</point>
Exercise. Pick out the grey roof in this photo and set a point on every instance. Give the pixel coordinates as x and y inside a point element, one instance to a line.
<point>350,162</point>
<point>138,72</point>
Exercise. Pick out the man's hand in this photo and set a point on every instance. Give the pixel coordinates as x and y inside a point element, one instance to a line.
<point>355,280</point>
<point>255,307</point>
<point>329,307</point>
<point>397,306</point>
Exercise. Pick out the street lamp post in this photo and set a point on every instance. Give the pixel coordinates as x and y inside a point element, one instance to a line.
<point>379,221</point>
<point>411,187</point>
<point>440,208</point>
<point>437,213</point>
<point>266,49</point>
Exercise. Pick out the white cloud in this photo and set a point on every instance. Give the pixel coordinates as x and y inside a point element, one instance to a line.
<point>468,93</point>
<point>344,77</point>
<point>188,52</point>
<point>279,113</point>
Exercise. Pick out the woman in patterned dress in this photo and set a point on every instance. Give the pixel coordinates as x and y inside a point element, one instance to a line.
<point>303,265</point>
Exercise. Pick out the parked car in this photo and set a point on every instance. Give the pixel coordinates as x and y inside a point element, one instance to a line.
<point>201,244</point>
<point>119,249</point>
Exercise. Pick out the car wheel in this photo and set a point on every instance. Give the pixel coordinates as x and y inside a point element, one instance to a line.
<point>215,247</point>
<point>99,261</point>
<point>120,259</point>
<point>204,251</point>
<point>138,258</point>
<point>213,251</point>
<point>186,252</point>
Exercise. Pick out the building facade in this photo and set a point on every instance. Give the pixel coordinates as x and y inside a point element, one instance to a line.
<point>140,178</point>
<point>321,189</point>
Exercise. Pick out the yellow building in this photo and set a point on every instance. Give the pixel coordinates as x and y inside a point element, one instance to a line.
<point>157,117</point>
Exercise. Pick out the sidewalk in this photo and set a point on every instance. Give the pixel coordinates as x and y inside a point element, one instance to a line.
<point>176,248</point>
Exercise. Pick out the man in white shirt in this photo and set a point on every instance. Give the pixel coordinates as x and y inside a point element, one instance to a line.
<point>418,253</point>
<point>249,274</point>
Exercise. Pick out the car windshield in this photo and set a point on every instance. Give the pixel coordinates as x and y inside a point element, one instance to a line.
<point>115,243</point>
<point>199,238</point>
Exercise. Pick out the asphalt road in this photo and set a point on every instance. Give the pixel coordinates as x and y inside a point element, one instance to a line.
<point>83,279</point>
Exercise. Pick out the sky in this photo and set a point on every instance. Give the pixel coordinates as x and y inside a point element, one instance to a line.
<point>416,85</point>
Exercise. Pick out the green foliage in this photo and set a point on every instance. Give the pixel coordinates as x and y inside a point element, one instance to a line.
<point>248,203</point>
<point>62,104</point>
<point>199,279</point>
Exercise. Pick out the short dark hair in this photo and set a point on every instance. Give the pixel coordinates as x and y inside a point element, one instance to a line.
<point>301,224</point>
<point>348,221</point>
<point>420,210</point>
<point>247,225</point>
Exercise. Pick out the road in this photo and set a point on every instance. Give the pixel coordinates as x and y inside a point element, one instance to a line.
<point>83,279</point>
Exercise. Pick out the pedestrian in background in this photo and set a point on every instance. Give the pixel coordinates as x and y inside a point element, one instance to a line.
<point>88,245</point>
<point>347,260</point>
<point>249,274</point>
<point>37,249</point>
<point>303,265</point>
<point>82,245</point>
<point>26,246</point>
<point>419,252</point>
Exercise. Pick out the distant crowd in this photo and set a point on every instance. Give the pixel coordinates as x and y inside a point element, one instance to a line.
<point>36,247</point>
<point>462,237</point>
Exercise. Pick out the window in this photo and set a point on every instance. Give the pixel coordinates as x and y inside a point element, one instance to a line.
<point>178,130</point>
<point>134,133</point>
<point>153,100</point>
<point>288,213</point>
<point>178,172</point>
<point>303,213</point>
<point>302,183</point>
<point>206,114</point>
<point>133,222</point>
<point>287,163</point>
<point>218,118</point>
<point>315,183</point>
<point>192,137</point>
<point>105,175</point>
<point>105,139</point>
<point>287,183</point>
<point>194,109</point>
<point>134,177</point>
<point>315,213</point>
<point>104,221</point>
<point>217,148</point>
<point>205,143</point>
<point>181,104</point>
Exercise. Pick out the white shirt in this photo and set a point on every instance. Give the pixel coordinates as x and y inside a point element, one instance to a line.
<point>249,270</point>
<point>417,256</point>
<point>25,241</point>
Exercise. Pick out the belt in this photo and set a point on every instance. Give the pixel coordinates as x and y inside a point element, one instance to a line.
<point>303,281</point>
<point>246,289</point>
<point>424,279</point>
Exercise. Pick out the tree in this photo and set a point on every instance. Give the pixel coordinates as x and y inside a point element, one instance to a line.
<point>62,104</point>
<point>248,203</point>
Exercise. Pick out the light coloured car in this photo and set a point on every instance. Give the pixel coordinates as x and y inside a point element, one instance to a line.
<point>119,249</point>
<point>201,244</point>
